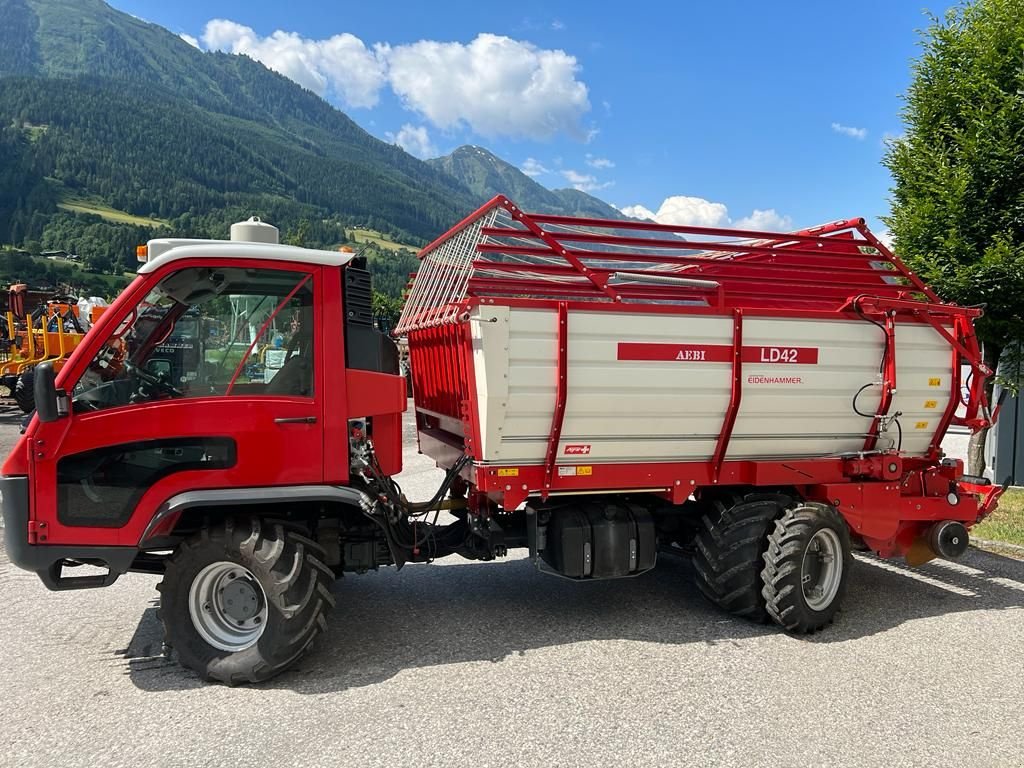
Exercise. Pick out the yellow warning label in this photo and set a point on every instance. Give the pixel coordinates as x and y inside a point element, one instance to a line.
<point>936,382</point>
<point>931,403</point>
<point>921,425</point>
<point>508,472</point>
<point>575,471</point>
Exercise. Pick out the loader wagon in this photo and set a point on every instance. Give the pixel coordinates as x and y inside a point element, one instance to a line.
<point>598,392</point>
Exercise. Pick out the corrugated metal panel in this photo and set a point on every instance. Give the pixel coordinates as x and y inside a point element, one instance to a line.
<point>669,410</point>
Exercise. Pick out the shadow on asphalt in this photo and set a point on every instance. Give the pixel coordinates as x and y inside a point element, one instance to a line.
<point>387,622</point>
<point>11,414</point>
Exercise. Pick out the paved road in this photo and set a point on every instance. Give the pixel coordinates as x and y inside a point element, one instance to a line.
<point>494,665</point>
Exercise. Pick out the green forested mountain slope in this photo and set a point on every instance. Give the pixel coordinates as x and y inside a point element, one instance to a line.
<point>100,110</point>
<point>99,105</point>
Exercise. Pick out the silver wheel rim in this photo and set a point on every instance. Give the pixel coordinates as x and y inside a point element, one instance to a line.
<point>228,606</point>
<point>821,572</point>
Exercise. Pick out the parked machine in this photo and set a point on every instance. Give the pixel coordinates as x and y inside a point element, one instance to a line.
<point>49,332</point>
<point>597,392</point>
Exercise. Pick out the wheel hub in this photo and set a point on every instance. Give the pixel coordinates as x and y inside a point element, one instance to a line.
<point>228,606</point>
<point>821,572</point>
<point>239,600</point>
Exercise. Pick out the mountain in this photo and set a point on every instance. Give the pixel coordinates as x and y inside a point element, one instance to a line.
<point>487,175</point>
<point>113,130</point>
<point>99,106</point>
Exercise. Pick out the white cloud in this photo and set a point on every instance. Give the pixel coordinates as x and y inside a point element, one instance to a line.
<point>599,162</point>
<point>557,25</point>
<point>685,211</point>
<point>764,221</point>
<point>692,211</point>
<point>189,39</point>
<point>495,85</point>
<point>584,182</point>
<point>886,237</point>
<point>532,167</point>
<point>341,65</point>
<point>849,130</point>
<point>638,212</point>
<point>415,140</point>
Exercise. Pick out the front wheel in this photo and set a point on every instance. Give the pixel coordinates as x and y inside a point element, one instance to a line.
<point>806,567</point>
<point>241,603</point>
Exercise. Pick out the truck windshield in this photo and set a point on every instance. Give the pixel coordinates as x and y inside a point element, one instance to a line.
<point>202,333</point>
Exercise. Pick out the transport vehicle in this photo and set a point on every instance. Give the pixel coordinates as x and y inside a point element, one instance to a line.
<point>597,392</point>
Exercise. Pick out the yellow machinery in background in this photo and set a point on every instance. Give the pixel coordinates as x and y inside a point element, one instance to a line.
<point>50,333</point>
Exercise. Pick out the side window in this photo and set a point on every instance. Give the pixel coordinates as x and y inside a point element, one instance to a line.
<point>102,487</point>
<point>205,332</point>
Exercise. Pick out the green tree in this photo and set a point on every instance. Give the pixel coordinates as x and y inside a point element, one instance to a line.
<point>386,310</point>
<point>958,201</point>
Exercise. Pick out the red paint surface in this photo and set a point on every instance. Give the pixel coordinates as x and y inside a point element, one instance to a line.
<point>716,353</point>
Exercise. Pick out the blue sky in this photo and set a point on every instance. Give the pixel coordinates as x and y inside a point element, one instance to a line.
<point>699,113</point>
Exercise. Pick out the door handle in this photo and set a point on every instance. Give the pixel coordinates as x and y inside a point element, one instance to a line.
<point>296,420</point>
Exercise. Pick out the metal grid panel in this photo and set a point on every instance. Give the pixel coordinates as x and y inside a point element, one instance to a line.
<point>444,276</point>
<point>501,251</point>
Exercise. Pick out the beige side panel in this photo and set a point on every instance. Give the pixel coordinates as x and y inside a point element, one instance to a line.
<point>924,370</point>
<point>668,410</point>
<point>797,410</point>
<point>489,327</point>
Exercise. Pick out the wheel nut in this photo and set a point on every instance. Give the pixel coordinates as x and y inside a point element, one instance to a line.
<point>257,620</point>
<point>207,607</point>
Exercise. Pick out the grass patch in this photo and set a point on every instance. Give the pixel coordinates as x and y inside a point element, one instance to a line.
<point>1007,522</point>
<point>360,235</point>
<point>34,132</point>
<point>110,214</point>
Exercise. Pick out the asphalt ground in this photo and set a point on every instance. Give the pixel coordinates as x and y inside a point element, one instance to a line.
<point>494,664</point>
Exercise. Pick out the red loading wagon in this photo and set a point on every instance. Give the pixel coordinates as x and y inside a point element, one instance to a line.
<point>779,387</point>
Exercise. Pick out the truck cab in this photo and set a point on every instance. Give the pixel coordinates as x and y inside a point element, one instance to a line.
<point>148,425</point>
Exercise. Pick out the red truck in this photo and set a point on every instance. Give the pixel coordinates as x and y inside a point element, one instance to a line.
<point>596,391</point>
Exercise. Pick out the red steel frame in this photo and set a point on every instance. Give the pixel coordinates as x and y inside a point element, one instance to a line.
<point>501,255</point>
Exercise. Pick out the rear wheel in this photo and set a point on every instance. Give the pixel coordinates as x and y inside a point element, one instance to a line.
<point>806,565</point>
<point>733,536</point>
<point>241,603</point>
<point>24,391</point>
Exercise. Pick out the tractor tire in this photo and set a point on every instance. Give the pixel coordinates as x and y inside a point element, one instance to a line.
<point>729,545</point>
<point>806,566</point>
<point>24,391</point>
<point>240,603</point>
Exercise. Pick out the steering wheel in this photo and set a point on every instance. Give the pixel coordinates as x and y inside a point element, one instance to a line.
<point>152,379</point>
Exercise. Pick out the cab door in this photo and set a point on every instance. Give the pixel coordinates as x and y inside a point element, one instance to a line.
<point>205,375</point>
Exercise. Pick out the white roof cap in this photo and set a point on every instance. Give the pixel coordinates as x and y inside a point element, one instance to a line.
<point>163,250</point>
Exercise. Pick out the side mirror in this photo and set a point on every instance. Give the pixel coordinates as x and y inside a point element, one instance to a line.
<point>46,395</point>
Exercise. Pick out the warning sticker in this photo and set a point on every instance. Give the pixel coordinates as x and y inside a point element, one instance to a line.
<point>931,403</point>
<point>575,471</point>
<point>921,425</point>
<point>936,382</point>
<point>508,472</point>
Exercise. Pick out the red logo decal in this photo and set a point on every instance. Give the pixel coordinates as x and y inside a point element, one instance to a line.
<point>717,353</point>
<point>577,450</point>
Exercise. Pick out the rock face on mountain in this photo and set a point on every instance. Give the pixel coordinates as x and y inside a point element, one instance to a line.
<point>487,175</point>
